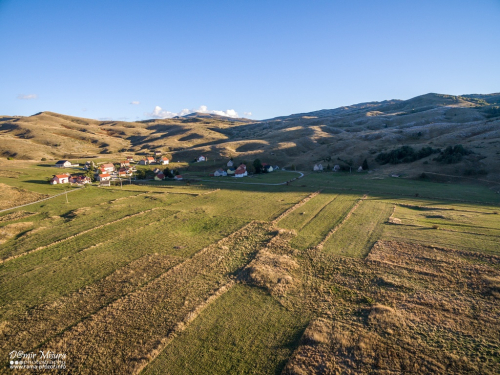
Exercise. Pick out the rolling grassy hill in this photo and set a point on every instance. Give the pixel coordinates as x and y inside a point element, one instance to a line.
<point>343,136</point>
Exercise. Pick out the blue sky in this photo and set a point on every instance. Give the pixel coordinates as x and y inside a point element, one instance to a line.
<point>268,58</point>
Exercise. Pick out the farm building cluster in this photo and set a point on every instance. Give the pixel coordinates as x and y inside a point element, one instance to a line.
<point>105,172</point>
<point>240,170</point>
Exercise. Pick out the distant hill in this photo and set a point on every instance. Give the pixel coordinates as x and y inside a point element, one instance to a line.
<point>345,135</point>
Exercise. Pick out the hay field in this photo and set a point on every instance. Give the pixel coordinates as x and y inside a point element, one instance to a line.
<point>343,275</point>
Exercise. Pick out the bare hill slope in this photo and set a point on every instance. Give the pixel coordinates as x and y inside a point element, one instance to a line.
<point>346,135</point>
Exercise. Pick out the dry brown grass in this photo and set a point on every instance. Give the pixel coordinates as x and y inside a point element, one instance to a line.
<point>16,215</point>
<point>11,230</point>
<point>12,196</point>
<point>405,309</point>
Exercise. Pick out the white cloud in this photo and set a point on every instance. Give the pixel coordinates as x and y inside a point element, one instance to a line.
<point>27,96</point>
<point>247,114</point>
<point>135,102</point>
<point>158,112</point>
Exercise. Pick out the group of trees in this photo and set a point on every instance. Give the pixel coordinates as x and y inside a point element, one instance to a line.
<point>453,154</point>
<point>145,174</point>
<point>405,154</point>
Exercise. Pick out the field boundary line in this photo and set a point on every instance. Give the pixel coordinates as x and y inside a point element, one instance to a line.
<point>42,200</point>
<point>297,205</point>
<point>77,235</point>
<point>337,227</point>
<point>182,325</point>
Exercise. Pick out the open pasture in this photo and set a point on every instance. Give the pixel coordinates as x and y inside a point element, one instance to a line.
<point>244,331</point>
<point>167,277</point>
<point>360,231</point>
<point>331,214</point>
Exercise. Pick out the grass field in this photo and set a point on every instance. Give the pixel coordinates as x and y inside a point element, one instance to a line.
<point>246,331</point>
<point>331,214</point>
<point>359,233</point>
<point>213,277</point>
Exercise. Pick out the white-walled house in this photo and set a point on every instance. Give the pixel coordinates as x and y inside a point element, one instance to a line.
<point>59,179</point>
<point>164,160</point>
<point>220,172</point>
<point>202,158</point>
<point>63,164</point>
<point>104,177</point>
<point>230,163</point>
<point>107,167</point>
<point>318,167</point>
<point>241,171</point>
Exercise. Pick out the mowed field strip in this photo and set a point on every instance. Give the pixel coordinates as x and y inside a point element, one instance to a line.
<point>323,220</point>
<point>356,236</point>
<point>245,331</point>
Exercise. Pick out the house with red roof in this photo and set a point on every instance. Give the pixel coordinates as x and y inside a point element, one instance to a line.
<point>178,177</point>
<point>159,177</point>
<point>163,160</point>
<point>107,168</point>
<point>104,177</point>
<point>59,179</point>
<point>125,163</point>
<point>241,171</point>
<point>80,180</point>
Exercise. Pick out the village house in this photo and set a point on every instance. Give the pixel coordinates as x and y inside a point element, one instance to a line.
<point>201,158</point>
<point>360,169</point>
<point>79,180</point>
<point>164,160</point>
<point>230,171</point>
<point>143,162</point>
<point>178,177</point>
<point>318,167</point>
<point>220,172</point>
<point>241,171</point>
<point>130,159</point>
<point>124,172</point>
<point>267,167</point>
<point>125,163</point>
<point>107,167</point>
<point>336,168</point>
<point>157,153</point>
<point>63,164</point>
<point>150,160</point>
<point>104,177</point>
<point>59,179</point>
<point>230,163</point>
<point>159,177</point>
